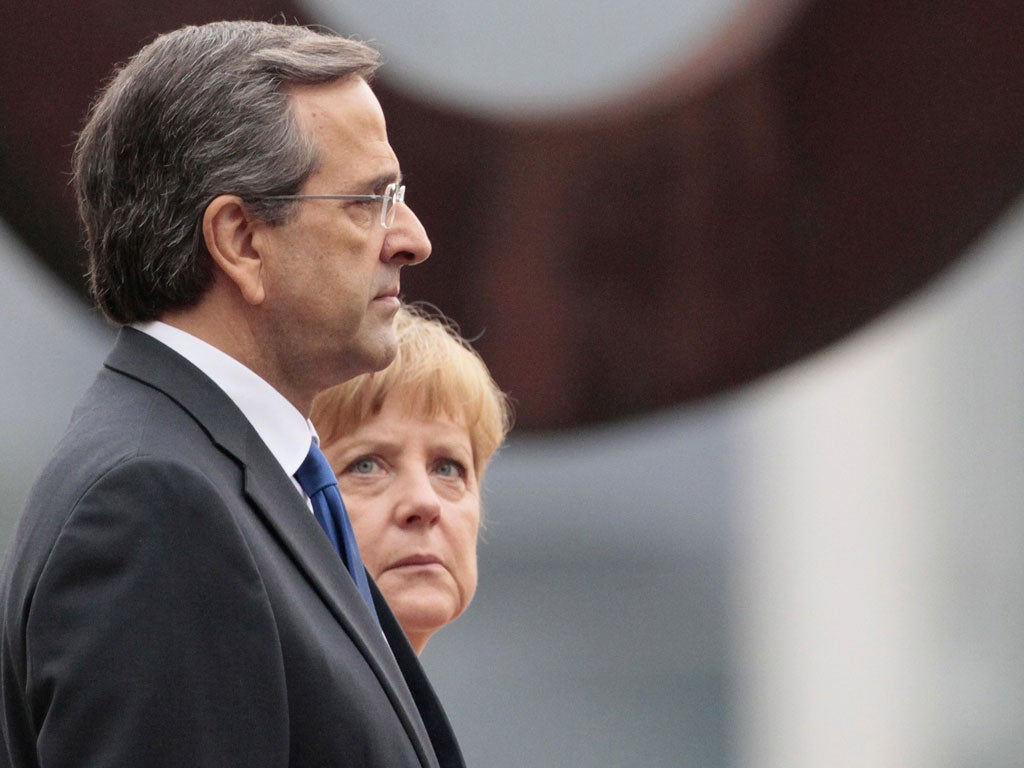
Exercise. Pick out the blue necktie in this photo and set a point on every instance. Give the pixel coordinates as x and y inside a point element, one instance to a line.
<point>317,479</point>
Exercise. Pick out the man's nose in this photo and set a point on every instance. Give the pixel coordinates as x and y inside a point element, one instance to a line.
<point>406,241</point>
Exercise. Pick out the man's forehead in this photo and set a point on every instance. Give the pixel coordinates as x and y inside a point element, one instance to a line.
<point>348,99</point>
<point>347,124</point>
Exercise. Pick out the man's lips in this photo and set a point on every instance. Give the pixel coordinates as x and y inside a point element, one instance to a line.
<point>388,293</point>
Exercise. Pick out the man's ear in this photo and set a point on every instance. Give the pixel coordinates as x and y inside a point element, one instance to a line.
<point>228,232</point>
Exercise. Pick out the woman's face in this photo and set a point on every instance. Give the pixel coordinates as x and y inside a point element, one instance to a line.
<point>414,499</point>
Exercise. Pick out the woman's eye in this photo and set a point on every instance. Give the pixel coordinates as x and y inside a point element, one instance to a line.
<point>364,465</point>
<point>449,468</point>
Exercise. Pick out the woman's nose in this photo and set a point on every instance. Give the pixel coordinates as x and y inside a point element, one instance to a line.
<point>419,503</point>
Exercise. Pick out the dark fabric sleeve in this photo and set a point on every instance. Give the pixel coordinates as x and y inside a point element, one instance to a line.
<point>150,641</point>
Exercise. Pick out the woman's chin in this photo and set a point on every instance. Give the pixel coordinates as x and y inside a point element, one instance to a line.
<point>422,614</point>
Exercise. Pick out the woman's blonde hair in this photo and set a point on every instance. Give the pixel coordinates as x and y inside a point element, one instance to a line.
<point>435,373</point>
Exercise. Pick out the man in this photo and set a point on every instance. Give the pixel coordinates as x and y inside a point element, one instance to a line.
<point>169,598</point>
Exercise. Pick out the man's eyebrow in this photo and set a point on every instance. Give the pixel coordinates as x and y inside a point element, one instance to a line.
<point>381,181</point>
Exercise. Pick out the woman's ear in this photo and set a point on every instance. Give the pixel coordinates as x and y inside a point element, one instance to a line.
<point>228,233</point>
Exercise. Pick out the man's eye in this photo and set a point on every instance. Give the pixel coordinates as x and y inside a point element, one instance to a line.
<point>361,211</point>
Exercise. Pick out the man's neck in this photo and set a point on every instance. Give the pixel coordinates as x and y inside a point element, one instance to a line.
<point>235,337</point>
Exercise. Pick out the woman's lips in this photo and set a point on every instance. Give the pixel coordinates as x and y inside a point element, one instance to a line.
<point>415,561</point>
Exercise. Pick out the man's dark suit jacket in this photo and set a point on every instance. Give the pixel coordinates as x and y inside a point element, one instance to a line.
<point>169,600</point>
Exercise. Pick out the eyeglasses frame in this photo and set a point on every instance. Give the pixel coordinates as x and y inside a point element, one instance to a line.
<point>394,190</point>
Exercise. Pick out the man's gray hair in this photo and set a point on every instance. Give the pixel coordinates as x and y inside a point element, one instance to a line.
<point>199,112</point>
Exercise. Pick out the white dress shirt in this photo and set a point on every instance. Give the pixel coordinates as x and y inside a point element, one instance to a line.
<point>286,432</point>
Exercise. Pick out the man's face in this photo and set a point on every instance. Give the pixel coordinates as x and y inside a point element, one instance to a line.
<point>332,270</point>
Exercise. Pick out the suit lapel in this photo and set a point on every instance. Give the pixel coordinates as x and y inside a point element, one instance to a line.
<point>274,497</point>
<point>438,726</point>
<point>285,512</point>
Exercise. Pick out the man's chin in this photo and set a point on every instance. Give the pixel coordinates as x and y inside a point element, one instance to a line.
<point>382,352</point>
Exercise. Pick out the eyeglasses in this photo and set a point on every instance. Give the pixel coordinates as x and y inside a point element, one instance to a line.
<point>394,193</point>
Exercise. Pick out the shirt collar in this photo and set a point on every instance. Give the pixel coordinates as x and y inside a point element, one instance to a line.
<point>285,431</point>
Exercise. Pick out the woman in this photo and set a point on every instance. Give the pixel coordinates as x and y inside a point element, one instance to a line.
<point>409,445</point>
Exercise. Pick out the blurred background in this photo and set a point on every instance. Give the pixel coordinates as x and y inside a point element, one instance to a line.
<point>752,271</point>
